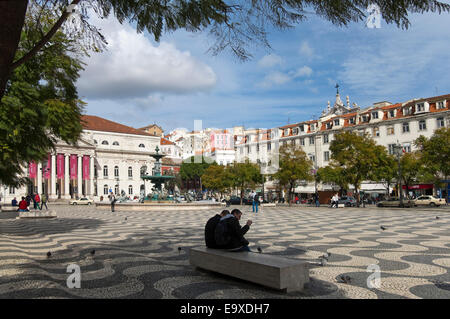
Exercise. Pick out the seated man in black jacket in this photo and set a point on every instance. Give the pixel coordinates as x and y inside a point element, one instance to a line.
<point>210,227</point>
<point>235,233</point>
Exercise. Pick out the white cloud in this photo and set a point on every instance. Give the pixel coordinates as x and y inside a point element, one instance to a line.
<point>306,50</point>
<point>303,71</point>
<point>270,60</point>
<point>133,67</point>
<point>274,78</point>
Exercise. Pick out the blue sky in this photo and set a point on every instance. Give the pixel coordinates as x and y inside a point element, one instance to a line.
<point>174,82</point>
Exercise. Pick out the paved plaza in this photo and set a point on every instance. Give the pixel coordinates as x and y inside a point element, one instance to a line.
<point>137,254</point>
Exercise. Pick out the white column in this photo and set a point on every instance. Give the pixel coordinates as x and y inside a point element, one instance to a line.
<point>66,177</point>
<point>39,178</point>
<point>91,177</point>
<point>53,178</point>
<point>80,175</point>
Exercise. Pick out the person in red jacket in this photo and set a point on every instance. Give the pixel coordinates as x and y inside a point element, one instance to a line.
<point>23,205</point>
<point>37,200</point>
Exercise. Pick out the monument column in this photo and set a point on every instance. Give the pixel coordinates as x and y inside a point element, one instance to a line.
<point>91,177</point>
<point>66,177</point>
<point>39,178</point>
<point>80,176</point>
<point>53,178</point>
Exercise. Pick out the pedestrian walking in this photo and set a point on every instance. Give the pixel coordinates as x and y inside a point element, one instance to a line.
<point>44,201</point>
<point>37,201</point>
<point>113,202</point>
<point>255,202</point>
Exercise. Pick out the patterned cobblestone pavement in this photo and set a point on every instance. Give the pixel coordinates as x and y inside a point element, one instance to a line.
<point>137,255</point>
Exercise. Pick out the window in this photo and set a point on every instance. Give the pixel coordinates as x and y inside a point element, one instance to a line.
<point>257,147</point>
<point>311,140</point>
<point>325,138</point>
<point>376,131</point>
<point>390,130</point>
<point>312,158</point>
<point>116,171</point>
<point>302,128</point>
<point>361,132</point>
<point>12,190</point>
<point>336,122</point>
<point>440,122</point>
<point>392,113</point>
<point>105,190</point>
<point>405,127</point>
<point>295,131</point>
<point>407,111</point>
<point>269,146</point>
<point>95,171</point>
<point>420,107</point>
<point>422,125</point>
<point>352,120</point>
<point>130,189</point>
<point>247,148</point>
<point>116,189</point>
<point>329,125</point>
<point>365,118</point>
<point>116,143</point>
<point>302,141</point>
<point>286,132</point>
<point>105,143</point>
<point>374,115</point>
<point>105,171</point>
<point>130,172</point>
<point>407,148</point>
<point>326,156</point>
<point>440,105</point>
<point>391,149</point>
<point>142,145</point>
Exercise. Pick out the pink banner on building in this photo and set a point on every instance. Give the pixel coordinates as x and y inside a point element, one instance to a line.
<point>60,166</point>
<point>73,165</point>
<point>46,168</point>
<point>86,166</point>
<point>32,169</point>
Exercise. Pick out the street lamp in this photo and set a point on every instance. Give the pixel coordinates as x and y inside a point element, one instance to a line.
<point>399,151</point>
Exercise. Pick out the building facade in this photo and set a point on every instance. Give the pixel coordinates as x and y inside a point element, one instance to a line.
<point>108,157</point>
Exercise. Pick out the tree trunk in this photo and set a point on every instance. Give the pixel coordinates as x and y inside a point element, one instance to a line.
<point>12,17</point>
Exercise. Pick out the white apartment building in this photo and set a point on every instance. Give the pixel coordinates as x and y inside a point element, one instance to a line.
<point>387,123</point>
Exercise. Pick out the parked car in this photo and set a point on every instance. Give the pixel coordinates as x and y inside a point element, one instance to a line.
<point>236,200</point>
<point>395,202</point>
<point>348,201</point>
<point>429,201</point>
<point>81,201</point>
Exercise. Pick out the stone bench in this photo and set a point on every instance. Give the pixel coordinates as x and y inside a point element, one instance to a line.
<point>267,270</point>
<point>9,208</point>
<point>38,214</point>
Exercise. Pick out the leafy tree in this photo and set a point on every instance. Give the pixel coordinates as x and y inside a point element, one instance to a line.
<point>194,168</point>
<point>332,173</point>
<point>244,175</point>
<point>234,24</point>
<point>386,171</point>
<point>217,178</point>
<point>41,104</point>
<point>435,153</point>
<point>294,166</point>
<point>412,169</point>
<point>357,157</point>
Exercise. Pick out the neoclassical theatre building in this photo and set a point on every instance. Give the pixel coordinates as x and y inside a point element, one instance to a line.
<point>108,157</point>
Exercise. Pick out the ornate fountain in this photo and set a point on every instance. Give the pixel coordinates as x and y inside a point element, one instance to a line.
<point>157,178</point>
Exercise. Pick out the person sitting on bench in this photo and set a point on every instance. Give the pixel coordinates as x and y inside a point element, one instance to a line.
<point>229,234</point>
<point>210,228</point>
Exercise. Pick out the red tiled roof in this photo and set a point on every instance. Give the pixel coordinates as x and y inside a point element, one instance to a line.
<point>95,123</point>
<point>166,142</point>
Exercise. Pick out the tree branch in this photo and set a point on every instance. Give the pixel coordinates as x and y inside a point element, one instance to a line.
<point>45,39</point>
